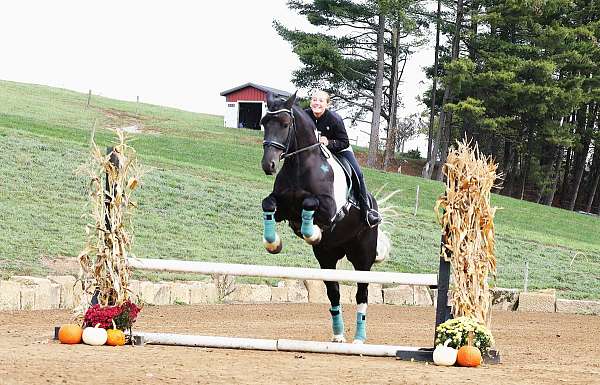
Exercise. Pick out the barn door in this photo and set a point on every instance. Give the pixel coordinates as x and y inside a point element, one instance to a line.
<point>249,114</point>
<point>231,115</point>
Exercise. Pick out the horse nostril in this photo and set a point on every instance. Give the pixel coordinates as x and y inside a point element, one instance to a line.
<point>272,165</point>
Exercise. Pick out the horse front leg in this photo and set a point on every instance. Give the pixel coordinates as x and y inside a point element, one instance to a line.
<point>310,232</point>
<point>271,239</point>
<point>362,255</point>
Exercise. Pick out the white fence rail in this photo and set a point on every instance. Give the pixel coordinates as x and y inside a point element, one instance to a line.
<point>283,272</point>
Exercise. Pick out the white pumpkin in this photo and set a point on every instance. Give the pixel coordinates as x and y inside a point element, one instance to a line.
<point>444,355</point>
<point>95,336</point>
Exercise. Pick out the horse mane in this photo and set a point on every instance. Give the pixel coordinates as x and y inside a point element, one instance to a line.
<point>299,113</point>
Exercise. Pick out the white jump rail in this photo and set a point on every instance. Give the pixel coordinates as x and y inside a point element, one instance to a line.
<point>272,345</point>
<point>207,268</point>
<point>283,272</point>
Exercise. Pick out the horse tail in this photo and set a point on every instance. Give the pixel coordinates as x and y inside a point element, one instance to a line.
<point>384,246</point>
<point>388,212</point>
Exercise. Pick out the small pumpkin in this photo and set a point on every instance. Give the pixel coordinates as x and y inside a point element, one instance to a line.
<point>70,334</point>
<point>95,336</point>
<point>444,355</point>
<point>114,336</point>
<point>469,355</point>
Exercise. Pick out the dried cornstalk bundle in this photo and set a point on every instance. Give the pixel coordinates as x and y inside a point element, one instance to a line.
<point>109,235</point>
<point>468,223</point>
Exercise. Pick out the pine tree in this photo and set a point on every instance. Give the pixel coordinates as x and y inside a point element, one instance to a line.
<point>343,57</point>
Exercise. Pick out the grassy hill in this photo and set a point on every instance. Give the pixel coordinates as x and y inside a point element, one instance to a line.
<point>201,198</point>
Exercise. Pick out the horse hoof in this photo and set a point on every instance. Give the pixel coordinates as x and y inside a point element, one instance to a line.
<point>338,338</point>
<point>358,342</point>
<point>315,237</point>
<point>312,241</point>
<point>275,247</point>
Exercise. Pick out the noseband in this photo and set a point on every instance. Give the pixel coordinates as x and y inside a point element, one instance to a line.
<point>285,147</point>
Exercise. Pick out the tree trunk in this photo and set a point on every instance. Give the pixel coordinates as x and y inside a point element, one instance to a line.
<point>390,145</point>
<point>377,96</point>
<point>527,166</point>
<point>586,122</point>
<point>509,158</point>
<point>588,208</point>
<point>430,166</point>
<point>564,189</point>
<point>445,123</point>
<point>446,118</point>
<point>473,11</point>
<point>434,87</point>
<point>547,155</point>
<point>579,168</point>
<point>549,198</point>
<point>594,178</point>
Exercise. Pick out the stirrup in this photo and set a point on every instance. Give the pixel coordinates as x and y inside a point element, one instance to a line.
<point>376,220</point>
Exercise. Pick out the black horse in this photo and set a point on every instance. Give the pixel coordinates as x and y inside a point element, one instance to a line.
<point>311,192</point>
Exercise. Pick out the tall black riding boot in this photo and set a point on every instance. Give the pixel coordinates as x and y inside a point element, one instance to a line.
<point>371,215</point>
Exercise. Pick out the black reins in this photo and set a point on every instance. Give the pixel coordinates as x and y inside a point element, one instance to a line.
<point>286,147</point>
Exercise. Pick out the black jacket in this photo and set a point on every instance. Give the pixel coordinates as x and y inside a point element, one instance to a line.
<point>331,126</point>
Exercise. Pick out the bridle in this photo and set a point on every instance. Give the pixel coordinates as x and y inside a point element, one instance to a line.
<point>285,147</point>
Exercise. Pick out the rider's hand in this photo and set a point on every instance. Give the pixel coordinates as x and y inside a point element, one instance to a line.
<point>323,140</point>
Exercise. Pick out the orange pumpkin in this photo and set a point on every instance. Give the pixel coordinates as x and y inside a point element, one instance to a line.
<point>116,337</point>
<point>468,356</point>
<point>70,334</point>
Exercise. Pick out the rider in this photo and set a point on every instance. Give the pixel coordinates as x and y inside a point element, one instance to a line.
<point>333,135</point>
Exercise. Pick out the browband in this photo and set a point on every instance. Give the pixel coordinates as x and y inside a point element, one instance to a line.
<point>278,111</point>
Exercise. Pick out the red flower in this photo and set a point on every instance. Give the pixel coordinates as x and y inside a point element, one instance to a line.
<point>124,316</point>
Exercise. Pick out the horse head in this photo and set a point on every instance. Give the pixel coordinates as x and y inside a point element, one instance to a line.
<point>278,124</point>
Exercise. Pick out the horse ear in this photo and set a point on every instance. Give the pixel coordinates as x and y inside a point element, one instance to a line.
<point>270,99</point>
<point>290,102</point>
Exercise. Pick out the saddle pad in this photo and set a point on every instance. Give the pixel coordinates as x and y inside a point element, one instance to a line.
<point>340,185</point>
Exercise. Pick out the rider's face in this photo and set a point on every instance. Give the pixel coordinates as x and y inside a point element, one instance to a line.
<point>319,103</point>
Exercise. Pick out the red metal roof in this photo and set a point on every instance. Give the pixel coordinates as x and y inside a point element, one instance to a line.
<point>247,93</point>
<point>275,91</point>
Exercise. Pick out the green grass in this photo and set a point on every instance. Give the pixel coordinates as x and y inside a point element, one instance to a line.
<point>201,199</point>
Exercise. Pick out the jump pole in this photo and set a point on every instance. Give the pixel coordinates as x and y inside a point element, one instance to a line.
<point>401,352</point>
<point>284,345</point>
<point>283,272</point>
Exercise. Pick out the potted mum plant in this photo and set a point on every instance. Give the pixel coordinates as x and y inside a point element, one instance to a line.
<point>120,317</point>
<point>457,331</point>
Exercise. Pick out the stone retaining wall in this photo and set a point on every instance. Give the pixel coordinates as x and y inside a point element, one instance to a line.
<point>61,292</point>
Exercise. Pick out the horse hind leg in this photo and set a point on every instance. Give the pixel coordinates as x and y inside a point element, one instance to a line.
<point>362,256</point>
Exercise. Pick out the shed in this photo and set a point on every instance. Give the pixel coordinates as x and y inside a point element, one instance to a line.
<point>246,104</point>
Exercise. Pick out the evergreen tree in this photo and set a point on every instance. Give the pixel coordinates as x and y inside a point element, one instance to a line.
<point>342,57</point>
<point>524,86</point>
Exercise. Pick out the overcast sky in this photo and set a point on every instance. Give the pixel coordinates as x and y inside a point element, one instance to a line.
<point>175,53</point>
